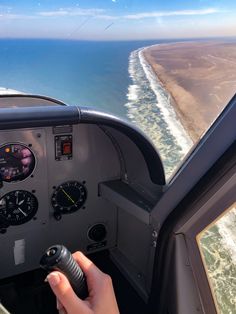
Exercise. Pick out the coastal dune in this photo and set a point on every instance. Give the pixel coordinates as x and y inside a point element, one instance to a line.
<point>200,78</point>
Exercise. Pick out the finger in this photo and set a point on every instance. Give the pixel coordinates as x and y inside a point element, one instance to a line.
<point>64,293</point>
<point>86,264</point>
<point>92,273</point>
<point>59,305</point>
<point>62,311</point>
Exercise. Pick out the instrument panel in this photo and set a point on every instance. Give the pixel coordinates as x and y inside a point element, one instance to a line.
<point>89,186</point>
<point>49,194</point>
<point>17,163</point>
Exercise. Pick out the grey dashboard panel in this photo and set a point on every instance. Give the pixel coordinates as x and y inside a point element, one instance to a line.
<point>119,168</point>
<point>32,238</point>
<point>130,200</point>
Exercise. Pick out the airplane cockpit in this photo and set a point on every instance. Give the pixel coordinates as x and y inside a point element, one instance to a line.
<point>117,146</point>
<point>92,182</point>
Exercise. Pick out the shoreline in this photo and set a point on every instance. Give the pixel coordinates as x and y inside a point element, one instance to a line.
<point>200,78</point>
<point>148,106</point>
<point>185,122</point>
<point>164,103</point>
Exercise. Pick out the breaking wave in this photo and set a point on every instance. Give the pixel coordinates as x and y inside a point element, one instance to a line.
<point>149,107</point>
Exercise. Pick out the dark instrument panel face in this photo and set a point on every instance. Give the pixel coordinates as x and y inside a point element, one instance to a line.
<point>17,162</point>
<point>17,207</point>
<point>69,197</point>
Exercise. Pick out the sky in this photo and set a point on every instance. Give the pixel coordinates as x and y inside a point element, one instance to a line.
<point>117,19</point>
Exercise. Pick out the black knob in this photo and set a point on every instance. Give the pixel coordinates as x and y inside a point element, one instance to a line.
<point>57,257</point>
<point>97,232</point>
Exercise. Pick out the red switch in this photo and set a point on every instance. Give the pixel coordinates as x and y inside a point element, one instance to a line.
<point>67,148</point>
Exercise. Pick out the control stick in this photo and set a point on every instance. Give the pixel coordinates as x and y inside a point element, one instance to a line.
<point>58,257</point>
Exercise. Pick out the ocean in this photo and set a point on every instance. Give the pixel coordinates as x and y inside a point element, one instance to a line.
<point>111,76</point>
<point>76,72</point>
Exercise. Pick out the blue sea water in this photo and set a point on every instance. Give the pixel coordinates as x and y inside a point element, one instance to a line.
<point>76,72</point>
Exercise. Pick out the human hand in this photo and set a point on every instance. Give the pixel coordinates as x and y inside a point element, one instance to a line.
<point>101,299</point>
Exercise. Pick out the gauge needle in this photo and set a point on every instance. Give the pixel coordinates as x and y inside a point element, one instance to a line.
<point>21,202</point>
<point>22,211</point>
<point>68,196</point>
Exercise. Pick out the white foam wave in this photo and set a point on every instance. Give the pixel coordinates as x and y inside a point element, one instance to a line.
<point>164,103</point>
<point>149,106</point>
<point>133,92</point>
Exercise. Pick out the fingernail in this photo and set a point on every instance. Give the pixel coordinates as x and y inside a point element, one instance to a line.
<point>59,305</point>
<point>53,279</point>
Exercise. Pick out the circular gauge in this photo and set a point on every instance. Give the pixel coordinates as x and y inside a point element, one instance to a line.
<point>18,207</point>
<point>17,162</point>
<point>69,197</point>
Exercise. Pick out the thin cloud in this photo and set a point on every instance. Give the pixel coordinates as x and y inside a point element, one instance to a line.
<point>72,12</point>
<point>144,15</point>
<point>16,17</point>
<point>102,14</point>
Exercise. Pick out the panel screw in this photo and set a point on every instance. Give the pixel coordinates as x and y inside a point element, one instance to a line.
<point>154,243</point>
<point>154,234</point>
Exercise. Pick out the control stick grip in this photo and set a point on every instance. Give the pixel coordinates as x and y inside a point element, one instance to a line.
<point>58,257</point>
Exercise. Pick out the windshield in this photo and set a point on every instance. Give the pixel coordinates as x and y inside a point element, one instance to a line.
<point>169,67</point>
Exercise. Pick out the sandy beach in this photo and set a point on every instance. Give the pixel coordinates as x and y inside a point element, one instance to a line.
<point>200,77</point>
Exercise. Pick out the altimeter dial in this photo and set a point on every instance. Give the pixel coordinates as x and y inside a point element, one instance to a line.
<point>69,197</point>
<point>18,207</point>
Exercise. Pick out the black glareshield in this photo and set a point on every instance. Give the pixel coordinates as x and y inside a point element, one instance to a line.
<point>59,258</point>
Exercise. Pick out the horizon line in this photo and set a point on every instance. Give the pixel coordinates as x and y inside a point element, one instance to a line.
<point>118,40</point>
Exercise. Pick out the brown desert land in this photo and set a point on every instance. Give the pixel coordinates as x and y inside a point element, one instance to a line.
<point>200,77</point>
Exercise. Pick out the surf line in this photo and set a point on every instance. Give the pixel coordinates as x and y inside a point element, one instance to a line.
<point>163,98</point>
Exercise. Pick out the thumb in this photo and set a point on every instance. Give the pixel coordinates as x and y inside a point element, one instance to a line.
<point>65,294</point>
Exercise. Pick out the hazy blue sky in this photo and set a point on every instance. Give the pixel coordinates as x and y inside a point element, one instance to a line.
<point>117,19</point>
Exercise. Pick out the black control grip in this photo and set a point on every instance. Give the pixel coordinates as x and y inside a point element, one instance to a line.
<point>57,257</point>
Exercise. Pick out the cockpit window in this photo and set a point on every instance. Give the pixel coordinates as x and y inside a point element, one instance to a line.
<point>169,67</point>
<point>218,250</point>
